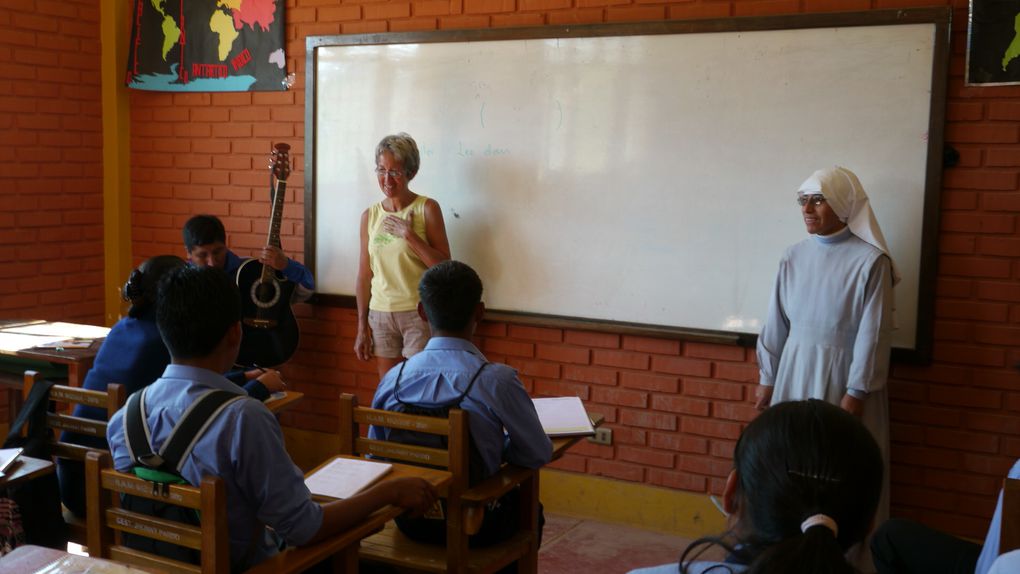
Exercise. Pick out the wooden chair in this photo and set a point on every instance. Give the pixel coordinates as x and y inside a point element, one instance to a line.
<point>61,420</point>
<point>106,520</point>
<point>1009,532</point>
<point>465,504</point>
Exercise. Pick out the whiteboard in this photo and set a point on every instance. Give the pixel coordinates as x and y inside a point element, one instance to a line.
<point>640,178</point>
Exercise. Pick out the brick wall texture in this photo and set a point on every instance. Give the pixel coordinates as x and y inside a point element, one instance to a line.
<point>676,408</point>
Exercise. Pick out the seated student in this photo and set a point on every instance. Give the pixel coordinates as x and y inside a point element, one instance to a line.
<point>904,546</point>
<point>205,240</point>
<point>452,372</point>
<point>804,487</point>
<point>133,355</point>
<point>198,315</point>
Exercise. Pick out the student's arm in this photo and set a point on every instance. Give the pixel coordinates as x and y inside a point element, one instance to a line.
<point>414,494</point>
<point>528,445</point>
<point>363,293</point>
<point>435,247</point>
<point>292,270</point>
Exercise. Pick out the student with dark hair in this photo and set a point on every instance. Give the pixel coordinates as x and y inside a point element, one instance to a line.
<point>205,242</point>
<point>805,484</point>
<point>133,355</point>
<point>452,372</point>
<point>198,316</point>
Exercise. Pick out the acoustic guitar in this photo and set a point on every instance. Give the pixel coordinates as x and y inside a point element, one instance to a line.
<point>270,330</point>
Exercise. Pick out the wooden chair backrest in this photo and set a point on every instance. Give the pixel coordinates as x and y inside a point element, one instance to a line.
<point>106,519</point>
<point>455,429</point>
<point>465,503</point>
<point>62,419</point>
<point>1009,533</point>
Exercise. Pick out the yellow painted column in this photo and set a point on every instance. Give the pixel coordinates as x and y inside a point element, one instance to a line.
<point>115,36</point>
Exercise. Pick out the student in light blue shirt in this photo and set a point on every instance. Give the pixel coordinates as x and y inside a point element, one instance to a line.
<point>451,372</point>
<point>198,315</point>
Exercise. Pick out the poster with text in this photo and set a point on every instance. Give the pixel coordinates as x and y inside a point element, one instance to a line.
<point>993,43</point>
<point>207,46</point>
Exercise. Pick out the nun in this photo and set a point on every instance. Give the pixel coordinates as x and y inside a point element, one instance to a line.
<point>827,332</point>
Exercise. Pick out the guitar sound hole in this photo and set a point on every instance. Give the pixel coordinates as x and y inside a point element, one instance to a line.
<point>265,294</point>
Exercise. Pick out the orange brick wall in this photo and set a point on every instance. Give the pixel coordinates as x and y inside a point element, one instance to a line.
<point>675,407</point>
<point>50,128</point>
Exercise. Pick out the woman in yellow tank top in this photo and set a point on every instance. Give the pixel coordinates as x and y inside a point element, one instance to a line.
<point>401,237</point>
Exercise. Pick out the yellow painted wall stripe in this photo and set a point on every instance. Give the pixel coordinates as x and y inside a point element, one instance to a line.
<point>114,36</point>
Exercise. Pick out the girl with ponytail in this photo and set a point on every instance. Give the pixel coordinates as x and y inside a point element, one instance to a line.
<point>805,484</point>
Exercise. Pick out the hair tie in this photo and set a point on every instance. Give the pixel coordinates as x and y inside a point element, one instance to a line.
<point>133,288</point>
<point>819,520</point>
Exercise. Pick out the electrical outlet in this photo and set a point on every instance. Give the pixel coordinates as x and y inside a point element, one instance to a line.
<point>603,435</point>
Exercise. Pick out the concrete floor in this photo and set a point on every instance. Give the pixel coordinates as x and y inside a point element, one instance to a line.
<point>576,545</point>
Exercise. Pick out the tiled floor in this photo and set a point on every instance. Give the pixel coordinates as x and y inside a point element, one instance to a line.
<point>574,545</point>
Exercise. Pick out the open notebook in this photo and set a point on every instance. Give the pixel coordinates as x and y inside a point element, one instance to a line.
<point>345,477</point>
<point>563,416</point>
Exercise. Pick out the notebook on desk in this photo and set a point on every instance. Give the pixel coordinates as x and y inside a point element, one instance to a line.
<point>345,477</point>
<point>563,416</point>
<point>7,458</point>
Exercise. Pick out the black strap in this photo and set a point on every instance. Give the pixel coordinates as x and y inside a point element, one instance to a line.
<point>33,412</point>
<point>182,438</point>
<point>445,407</point>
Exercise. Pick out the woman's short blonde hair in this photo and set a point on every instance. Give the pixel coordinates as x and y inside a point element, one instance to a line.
<point>404,150</point>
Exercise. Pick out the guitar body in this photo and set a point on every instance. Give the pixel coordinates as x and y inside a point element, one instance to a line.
<point>271,332</point>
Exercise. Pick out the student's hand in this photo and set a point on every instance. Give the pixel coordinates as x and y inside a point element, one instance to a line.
<point>272,380</point>
<point>273,256</point>
<point>852,405</point>
<point>363,343</point>
<point>763,397</point>
<point>398,227</point>
<point>412,493</point>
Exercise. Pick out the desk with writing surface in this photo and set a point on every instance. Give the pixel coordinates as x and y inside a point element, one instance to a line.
<point>30,558</point>
<point>343,547</point>
<point>25,468</point>
<point>23,340</point>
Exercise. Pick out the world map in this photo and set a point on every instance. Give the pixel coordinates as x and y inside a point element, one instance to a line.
<point>225,45</point>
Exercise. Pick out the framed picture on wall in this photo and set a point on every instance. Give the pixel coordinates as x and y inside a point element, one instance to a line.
<point>993,43</point>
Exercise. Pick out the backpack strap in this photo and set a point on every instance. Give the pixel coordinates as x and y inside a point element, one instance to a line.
<point>185,434</point>
<point>32,413</point>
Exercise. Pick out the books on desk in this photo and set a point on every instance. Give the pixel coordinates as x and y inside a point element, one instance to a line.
<point>345,477</point>
<point>563,416</point>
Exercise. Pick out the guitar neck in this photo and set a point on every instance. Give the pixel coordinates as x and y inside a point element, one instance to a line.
<point>275,219</point>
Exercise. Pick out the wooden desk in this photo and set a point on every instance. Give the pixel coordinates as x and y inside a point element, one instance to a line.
<point>26,468</point>
<point>30,559</point>
<point>561,444</point>
<point>344,546</point>
<point>21,339</point>
<point>280,401</point>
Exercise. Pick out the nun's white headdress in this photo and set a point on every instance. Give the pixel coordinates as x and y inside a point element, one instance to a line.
<point>843,192</point>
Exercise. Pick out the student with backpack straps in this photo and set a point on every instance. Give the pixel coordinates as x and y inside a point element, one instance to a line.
<point>198,315</point>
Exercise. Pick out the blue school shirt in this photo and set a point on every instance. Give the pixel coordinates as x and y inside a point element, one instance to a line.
<point>497,401</point>
<point>244,446</point>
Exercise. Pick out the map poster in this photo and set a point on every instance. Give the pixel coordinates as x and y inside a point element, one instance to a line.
<point>993,42</point>
<point>207,46</point>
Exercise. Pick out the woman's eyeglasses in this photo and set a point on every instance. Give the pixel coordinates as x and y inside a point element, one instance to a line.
<point>816,199</point>
<point>390,172</point>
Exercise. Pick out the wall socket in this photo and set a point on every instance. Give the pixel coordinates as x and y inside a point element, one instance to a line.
<point>603,435</point>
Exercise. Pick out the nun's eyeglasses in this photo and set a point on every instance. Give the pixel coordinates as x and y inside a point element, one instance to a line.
<point>816,199</point>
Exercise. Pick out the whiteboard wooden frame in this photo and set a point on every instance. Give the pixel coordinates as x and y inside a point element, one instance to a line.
<point>938,18</point>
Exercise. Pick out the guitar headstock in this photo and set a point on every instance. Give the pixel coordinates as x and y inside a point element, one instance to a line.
<point>280,161</point>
